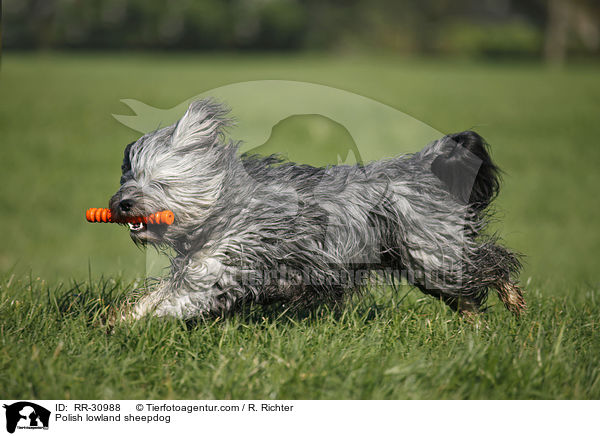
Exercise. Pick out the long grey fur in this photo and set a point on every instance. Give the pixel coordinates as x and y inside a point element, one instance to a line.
<point>256,229</point>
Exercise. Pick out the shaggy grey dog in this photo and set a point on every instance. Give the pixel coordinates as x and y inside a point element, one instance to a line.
<point>256,229</point>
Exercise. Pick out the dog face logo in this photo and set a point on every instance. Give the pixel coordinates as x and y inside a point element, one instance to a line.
<point>26,415</point>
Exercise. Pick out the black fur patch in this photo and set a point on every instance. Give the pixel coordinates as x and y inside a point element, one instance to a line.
<point>467,170</point>
<point>126,165</point>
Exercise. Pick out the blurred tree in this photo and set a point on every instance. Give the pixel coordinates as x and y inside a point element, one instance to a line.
<point>570,22</point>
<point>470,27</point>
<point>555,47</point>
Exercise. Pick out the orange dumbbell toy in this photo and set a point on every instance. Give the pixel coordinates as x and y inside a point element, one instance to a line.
<point>103,215</point>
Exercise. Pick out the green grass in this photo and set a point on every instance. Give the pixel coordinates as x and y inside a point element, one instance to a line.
<point>61,152</point>
<point>54,345</point>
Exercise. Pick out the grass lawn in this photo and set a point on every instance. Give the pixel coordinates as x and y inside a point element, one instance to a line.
<point>61,153</point>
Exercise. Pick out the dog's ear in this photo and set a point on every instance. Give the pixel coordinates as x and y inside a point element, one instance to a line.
<point>126,165</point>
<point>201,125</point>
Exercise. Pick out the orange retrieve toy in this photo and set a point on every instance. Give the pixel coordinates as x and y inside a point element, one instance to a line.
<point>103,215</point>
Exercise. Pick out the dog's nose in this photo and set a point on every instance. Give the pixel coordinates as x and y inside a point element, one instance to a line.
<point>125,205</point>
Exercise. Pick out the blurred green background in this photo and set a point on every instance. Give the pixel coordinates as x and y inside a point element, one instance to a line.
<point>488,28</point>
<point>523,74</point>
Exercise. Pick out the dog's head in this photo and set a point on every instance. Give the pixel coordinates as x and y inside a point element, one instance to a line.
<point>175,168</point>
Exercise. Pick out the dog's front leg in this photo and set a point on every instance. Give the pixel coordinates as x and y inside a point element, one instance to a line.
<point>193,290</point>
<point>174,300</point>
<point>153,302</point>
<point>140,304</point>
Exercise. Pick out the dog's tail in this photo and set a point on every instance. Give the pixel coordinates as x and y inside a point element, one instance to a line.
<point>462,162</point>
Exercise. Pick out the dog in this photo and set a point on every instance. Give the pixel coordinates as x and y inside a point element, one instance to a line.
<point>258,229</point>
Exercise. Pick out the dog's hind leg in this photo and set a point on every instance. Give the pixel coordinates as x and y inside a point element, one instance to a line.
<point>466,306</point>
<point>512,296</point>
<point>498,268</point>
<point>509,293</point>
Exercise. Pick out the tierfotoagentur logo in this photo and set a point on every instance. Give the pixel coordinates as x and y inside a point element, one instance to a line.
<point>25,415</point>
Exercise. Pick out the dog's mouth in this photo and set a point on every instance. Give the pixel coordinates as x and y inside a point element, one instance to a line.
<point>137,227</point>
<point>143,233</point>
